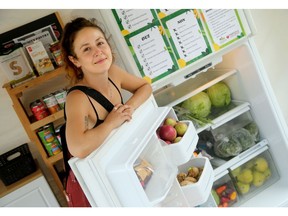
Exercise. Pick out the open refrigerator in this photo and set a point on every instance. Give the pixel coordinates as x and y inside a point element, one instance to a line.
<point>109,176</point>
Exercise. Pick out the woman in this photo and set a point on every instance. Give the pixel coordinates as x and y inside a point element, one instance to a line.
<point>89,62</point>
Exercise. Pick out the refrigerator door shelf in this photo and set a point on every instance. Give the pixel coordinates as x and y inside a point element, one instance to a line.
<point>198,193</point>
<point>175,197</point>
<point>127,185</point>
<point>181,152</point>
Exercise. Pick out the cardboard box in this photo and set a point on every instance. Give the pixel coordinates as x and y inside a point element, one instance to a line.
<point>15,63</point>
<point>40,58</point>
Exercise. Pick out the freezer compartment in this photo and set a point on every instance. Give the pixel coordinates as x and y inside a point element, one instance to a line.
<point>145,181</point>
<point>224,192</point>
<point>179,151</point>
<point>198,192</point>
<point>254,175</point>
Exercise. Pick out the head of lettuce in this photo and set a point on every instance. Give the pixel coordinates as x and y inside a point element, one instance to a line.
<point>199,105</point>
<point>219,94</point>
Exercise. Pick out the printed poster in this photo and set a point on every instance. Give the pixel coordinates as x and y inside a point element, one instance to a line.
<point>130,20</point>
<point>151,52</point>
<point>224,26</point>
<point>165,12</point>
<point>186,35</point>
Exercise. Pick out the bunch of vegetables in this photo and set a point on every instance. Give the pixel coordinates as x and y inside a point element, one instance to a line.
<point>198,107</point>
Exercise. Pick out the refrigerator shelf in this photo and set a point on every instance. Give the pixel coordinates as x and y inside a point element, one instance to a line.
<point>173,95</point>
<point>220,117</point>
<point>220,165</point>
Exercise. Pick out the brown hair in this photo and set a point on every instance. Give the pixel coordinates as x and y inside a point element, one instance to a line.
<point>70,30</point>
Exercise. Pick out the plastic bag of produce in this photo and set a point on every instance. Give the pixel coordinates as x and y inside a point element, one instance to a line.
<point>254,131</point>
<point>244,137</point>
<point>226,147</point>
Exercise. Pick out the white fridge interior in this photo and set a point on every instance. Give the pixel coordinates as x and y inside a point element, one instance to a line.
<point>242,70</point>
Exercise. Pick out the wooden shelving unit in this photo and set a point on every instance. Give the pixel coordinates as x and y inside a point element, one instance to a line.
<point>31,127</point>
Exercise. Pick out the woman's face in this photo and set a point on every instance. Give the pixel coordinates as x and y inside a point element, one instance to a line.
<point>93,53</point>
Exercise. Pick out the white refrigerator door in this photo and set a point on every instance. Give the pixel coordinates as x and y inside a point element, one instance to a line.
<point>107,175</point>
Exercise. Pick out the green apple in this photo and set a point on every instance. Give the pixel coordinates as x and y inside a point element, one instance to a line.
<point>181,128</point>
<point>236,171</point>
<point>243,188</point>
<point>267,173</point>
<point>258,178</point>
<point>177,139</point>
<point>170,121</point>
<point>246,176</point>
<point>260,164</point>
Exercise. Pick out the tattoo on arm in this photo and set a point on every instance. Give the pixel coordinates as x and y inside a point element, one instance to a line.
<point>86,122</point>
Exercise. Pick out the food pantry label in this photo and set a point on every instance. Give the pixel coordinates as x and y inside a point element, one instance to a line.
<point>150,50</point>
<point>224,26</point>
<point>131,20</point>
<point>186,36</point>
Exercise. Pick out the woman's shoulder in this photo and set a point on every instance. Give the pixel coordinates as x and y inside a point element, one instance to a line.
<point>76,92</point>
<point>115,69</point>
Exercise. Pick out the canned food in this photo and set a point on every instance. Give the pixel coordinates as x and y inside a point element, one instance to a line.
<point>49,139</point>
<point>38,109</point>
<point>60,96</point>
<point>51,103</point>
<point>56,53</point>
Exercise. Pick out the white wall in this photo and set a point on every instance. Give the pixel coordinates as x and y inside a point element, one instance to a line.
<point>272,42</point>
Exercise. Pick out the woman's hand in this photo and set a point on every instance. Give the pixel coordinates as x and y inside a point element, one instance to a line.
<point>120,114</point>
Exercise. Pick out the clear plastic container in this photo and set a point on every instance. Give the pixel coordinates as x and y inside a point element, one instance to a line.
<point>224,192</point>
<point>254,176</point>
<point>198,192</point>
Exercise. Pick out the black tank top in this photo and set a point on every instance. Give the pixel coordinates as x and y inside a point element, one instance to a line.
<point>102,100</point>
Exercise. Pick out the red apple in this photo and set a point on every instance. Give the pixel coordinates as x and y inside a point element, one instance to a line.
<point>170,121</point>
<point>167,133</point>
<point>181,128</point>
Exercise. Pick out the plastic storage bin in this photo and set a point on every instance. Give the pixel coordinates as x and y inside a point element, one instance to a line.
<point>16,164</point>
<point>198,192</point>
<point>254,176</point>
<point>182,151</point>
<point>224,191</point>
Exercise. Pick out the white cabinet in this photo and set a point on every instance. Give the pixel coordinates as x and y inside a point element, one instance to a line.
<point>36,193</point>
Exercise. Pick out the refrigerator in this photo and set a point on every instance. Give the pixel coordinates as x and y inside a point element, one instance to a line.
<point>109,176</point>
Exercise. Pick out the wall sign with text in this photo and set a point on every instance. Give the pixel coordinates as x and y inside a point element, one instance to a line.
<point>163,41</point>
<point>186,35</point>
<point>223,25</point>
<point>151,52</point>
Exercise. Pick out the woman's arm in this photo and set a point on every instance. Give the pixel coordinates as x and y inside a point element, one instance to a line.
<point>139,87</point>
<point>82,140</point>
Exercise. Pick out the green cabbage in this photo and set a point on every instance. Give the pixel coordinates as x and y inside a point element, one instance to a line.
<point>219,94</point>
<point>199,105</point>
